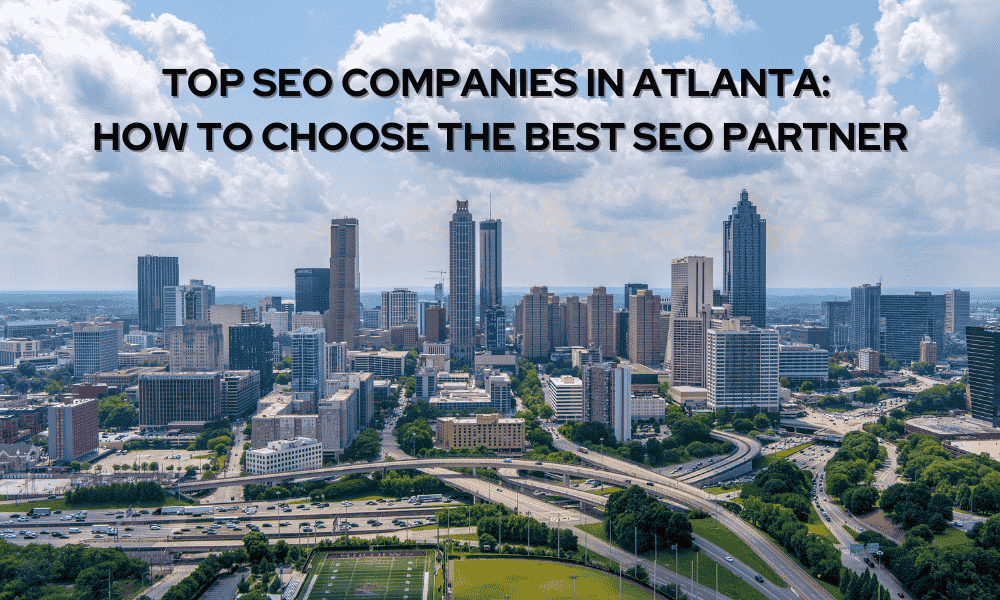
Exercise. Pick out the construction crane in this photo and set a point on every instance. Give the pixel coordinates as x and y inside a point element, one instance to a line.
<point>440,274</point>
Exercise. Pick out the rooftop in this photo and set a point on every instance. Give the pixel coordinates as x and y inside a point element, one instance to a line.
<point>953,426</point>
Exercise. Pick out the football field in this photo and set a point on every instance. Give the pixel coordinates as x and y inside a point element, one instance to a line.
<point>392,575</point>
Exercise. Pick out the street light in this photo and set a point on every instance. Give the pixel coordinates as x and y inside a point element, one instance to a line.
<point>574,578</point>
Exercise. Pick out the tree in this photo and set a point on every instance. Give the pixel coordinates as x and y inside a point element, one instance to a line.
<point>123,416</point>
<point>785,383</point>
<point>281,550</point>
<point>487,543</point>
<point>26,369</point>
<point>654,449</point>
<point>257,547</point>
<point>807,387</point>
<point>761,422</point>
<point>283,378</point>
<point>923,368</point>
<point>742,425</point>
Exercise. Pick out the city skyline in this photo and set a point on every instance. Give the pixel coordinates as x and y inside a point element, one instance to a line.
<point>923,217</point>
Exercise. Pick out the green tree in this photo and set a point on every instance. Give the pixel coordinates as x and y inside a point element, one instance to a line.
<point>487,543</point>
<point>257,547</point>
<point>761,422</point>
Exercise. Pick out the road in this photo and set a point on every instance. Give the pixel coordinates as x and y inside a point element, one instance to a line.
<point>156,591</point>
<point>230,493</point>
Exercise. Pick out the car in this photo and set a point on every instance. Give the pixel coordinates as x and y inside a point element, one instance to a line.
<point>287,510</point>
<point>538,462</point>
<point>507,460</point>
<point>499,490</point>
<point>44,532</point>
<point>649,483</point>
<point>371,503</point>
<point>729,559</point>
<point>209,532</point>
<point>126,535</point>
<point>154,527</point>
<point>266,525</point>
<point>301,506</point>
<point>758,579</point>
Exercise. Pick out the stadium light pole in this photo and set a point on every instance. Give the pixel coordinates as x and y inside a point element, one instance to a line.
<point>574,578</point>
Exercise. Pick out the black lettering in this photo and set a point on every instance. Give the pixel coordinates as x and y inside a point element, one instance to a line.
<point>539,83</point>
<point>227,137</point>
<point>865,136</point>
<point>174,73</point>
<point>100,137</point>
<point>762,135</point>
<point>640,131</point>
<point>147,137</point>
<point>559,136</point>
<point>260,78</point>
<point>732,132</point>
<point>209,129</point>
<point>393,83</point>
<point>895,132</point>
<point>309,136</point>
<point>814,129</point>
<point>836,133</point>
<point>213,83</point>
<point>389,132</point>
<point>267,137</point>
<point>693,92</point>
<point>807,82</point>
<point>499,136</point>
<point>613,129</point>
<point>790,133</point>
<point>780,75</point>
<point>759,85</point>
<point>471,136</point>
<point>346,83</point>
<point>537,137</point>
<point>169,135</point>
<point>689,137</point>
<point>355,136</point>
<point>286,85</point>
<point>567,85</point>
<point>584,132</point>
<point>725,82</point>
<point>647,81</point>
<point>446,78</point>
<point>418,83</point>
<point>509,85</point>
<point>327,83</point>
<point>668,136</point>
<point>450,129</point>
<point>231,78</point>
<point>414,136</point>
<point>325,130</point>
<point>474,82</point>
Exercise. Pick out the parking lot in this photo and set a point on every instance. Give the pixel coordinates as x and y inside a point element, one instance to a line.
<point>163,458</point>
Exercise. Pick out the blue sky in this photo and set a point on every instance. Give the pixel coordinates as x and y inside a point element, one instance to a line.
<point>71,218</point>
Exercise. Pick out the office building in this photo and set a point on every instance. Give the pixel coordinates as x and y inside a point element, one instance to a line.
<point>621,331</point>
<point>299,454</point>
<point>383,363</point>
<point>557,329</point>
<point>309,361</point>
<point>95,348</point>
<point>73,429</point>
<point>168,397</point>
<point>240,393</point>
<point>251,347</point>
<point>810,334</point>
<point>956,311</point>
<point>182,303</point>
<point>907,319</point>
<point>866,323</point>
<point>742,368</point>
<point>803,362</point>
<point>14,349</point>
<point>565,396</point>
<point>229,315</point>
<point>498,388</point>
<point>690,296</point>
<point>336,357</point>
<point>574,319</point>
<point>537,340</point>
<point>196,346</point>
<point>687,352</point>
<point>495,330</point>
<point>928,350</point>
<point>279,320</point>
<point>646,408</point>
<point>154,274</point>
<point>690,285</point>
<point>422,315</point>
<point>399,307</point>
<point>631,289</point>
<point>345,282</point>
<point>744,249</point>
<point>435,329</point>
<point>837,316</point>
<point>868,360</point>
<point>403,336</point>
<point>312,290</point>
<point>984,373</point>
<point>268,302</point>
<point>32,330</point>
<point>371,318</point>
<point>337,420</point>
<point>490,266</point>
<point>307,319</point>
<point>462,282</point>
<point>439,293</point>
<point>143,339</point>
<point>495,432</point>
<point>601,321</point>
<point>646,347</point>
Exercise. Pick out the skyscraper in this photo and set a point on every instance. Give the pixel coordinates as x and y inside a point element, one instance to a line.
<point>601,321</point>
<point>309,361</point>
<point>495,330</point>
<point>250,347</point>
<point>462,281</point>
<point>645,345</point>
<point>537,342</point>
<point>691,294</point>
<point>345,282</point>
<point>984,373</point>
<point>95,348</point>
<point>575,321</point>
<point>837,315</point>
<point>866,323</point>
<point>631,289</point>
<point>490,267</point>
<point>744,248</point>
<point>182,303</point>
<point>956,311</point>
<point>154,273</point>
<point>399,307</point>
<point>907,320</point>
<point>742,367</point>
<point>196,346</point>
<point>312,290</point>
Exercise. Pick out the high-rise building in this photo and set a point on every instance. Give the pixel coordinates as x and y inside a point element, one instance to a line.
<point>557,329</point>
<point>907,320</point>
<point>631,289</point>
<point>250,347</point>
<point>73,429</point>
<point>621,331</point>
<point>601,321</point>
<point>691,295</point>
<point>495,330</point>
<point>240,392</point>
<point>644,343</point>
<point>279,320</point>
<point>95,348</point>
<point>399,307</point>
<point>744,249</point>
<point>462,282</point>
<point>928,350</point>
<point>154,273</point>
<point>309,361</point>
<point>956,311</point>
<point>690,285</point>
<point>434,324</point>
<point>799,363</point>
<point>168,397</point>
<point>490,266</point>
<point>439,293</point>
<point>229,315</point>
<point>312,290</point>
<point>336,358</point>
<point>575,322</point>
<point>371,318</point>
<point>984,373</point>
<point>268,302</point>
<point>687,352</point>
<point>869,360</point>
<point>498,389</point>
<point>742,368</point>
<point>182,303</point>
<point>837,316</point>
<point>345,282</point>
<point>537,341</point>
<point>565,396</point>
<point>866,323</point>
<point>810,334</point>
<point>196,346</point>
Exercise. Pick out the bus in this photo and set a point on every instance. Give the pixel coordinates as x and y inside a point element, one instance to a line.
<point>225,519</point>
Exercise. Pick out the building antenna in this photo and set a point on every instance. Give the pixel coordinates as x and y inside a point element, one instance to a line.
<point>491,206</point>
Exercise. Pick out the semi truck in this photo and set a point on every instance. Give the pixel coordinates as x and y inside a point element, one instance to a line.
<point>103,528</point>
<point>198,510</point>
<point>41,512</point>
<point>169,510</point>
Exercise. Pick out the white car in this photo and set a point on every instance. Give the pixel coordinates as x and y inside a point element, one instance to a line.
<point>729,559</point>
<point>154,527</point>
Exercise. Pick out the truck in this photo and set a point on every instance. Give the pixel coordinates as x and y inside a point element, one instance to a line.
<point>199,510</point>
<point>104,528</point>
<point>582,450</point>
<point>169,510</point>
<point>42,512</point>
<point>428,498</point>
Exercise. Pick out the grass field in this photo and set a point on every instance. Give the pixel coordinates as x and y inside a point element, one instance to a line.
<point>61,504</point>
<point>488,579</point>
<point>829,587</point>
<point>854,534</point>
<point>607,491</point>
<point>818,526</point>
<point>783,454</point>
<point>725,489</point>
<point>711,530</point>
<point>952,537</point>
<point>729,585</point>
<point>392,575</point>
